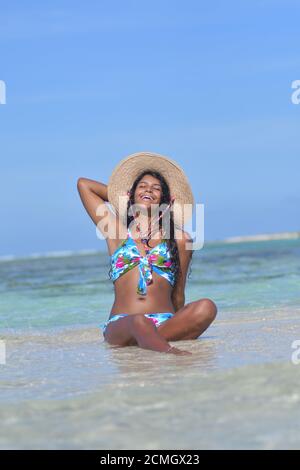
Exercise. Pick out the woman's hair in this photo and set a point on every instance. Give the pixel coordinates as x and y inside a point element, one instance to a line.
<point>165,199</point>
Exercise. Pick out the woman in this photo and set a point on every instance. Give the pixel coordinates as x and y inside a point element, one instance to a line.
<point>148,268</point>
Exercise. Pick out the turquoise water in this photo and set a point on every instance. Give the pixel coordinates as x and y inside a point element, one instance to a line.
<point>240,377</point>
<point>75,290</point>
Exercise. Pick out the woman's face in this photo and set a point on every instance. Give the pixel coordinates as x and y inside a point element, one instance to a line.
<point>148,191</point>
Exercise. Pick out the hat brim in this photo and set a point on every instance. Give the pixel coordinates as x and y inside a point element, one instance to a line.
<point>128,169</point>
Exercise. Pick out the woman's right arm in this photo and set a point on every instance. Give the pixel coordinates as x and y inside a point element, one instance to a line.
<point>100,189</point>
<point>93,194</point>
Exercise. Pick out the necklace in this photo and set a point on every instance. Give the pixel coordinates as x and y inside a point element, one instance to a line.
<point>145,240</point>
<point>145,237</point>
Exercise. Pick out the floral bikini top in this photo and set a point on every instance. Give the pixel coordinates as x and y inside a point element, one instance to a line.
<point>157,259</point>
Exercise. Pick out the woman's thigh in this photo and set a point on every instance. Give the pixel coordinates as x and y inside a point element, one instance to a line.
<point>190,321</point>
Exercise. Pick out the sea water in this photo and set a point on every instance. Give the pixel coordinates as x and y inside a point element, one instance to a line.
<point>63,387</point>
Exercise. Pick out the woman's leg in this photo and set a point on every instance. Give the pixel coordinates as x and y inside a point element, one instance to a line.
<point>190,321</point>
<point>137,330</point>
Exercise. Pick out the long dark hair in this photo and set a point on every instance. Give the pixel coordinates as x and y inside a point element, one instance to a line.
<point>165,199</point>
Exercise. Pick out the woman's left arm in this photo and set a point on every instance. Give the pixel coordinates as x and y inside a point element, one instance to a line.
<point>185,256</point>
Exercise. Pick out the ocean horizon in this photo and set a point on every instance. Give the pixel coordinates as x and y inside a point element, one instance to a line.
<point>89,251</point>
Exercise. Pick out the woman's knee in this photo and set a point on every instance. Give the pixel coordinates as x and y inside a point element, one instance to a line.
<point>204,309</point>
<point>119,333</point>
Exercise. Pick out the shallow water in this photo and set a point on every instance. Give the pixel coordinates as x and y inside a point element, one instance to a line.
<point>239,389</point>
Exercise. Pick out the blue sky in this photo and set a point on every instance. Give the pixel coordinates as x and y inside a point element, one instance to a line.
<point>89,83</point>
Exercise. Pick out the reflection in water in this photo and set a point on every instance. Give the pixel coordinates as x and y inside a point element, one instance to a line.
<point>134,363</point>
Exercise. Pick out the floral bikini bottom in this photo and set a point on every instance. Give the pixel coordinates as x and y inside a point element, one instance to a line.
<point>157,318</point>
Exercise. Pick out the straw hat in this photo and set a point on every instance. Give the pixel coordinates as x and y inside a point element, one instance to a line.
<point>132,166</point>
